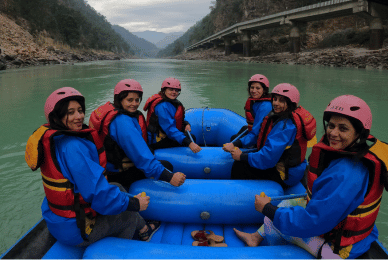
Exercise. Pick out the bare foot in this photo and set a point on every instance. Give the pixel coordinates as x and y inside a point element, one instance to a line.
<point>252,240</point>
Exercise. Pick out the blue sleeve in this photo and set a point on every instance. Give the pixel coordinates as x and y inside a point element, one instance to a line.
<point>261,110</point>
<point>126,132</point>
<point>336,193</point>
<point>78,160</point>
<point>282,135</point>
<point>166,112</point>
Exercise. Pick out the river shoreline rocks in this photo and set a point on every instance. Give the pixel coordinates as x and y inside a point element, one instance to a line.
<point>18,49</point>
<point>345,56</point>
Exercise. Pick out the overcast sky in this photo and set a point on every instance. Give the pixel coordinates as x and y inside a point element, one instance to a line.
<point>153,15</point>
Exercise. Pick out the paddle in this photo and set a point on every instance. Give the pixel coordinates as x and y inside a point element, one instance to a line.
<point>285,197</point>
<point>191,138</point>
<point>238,137</point>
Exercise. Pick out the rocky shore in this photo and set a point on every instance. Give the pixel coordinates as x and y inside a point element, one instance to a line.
<point>347,56</point>
<point>18,48</point>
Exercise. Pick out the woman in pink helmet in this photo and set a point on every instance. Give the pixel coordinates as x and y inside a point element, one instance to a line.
<point>166,123</point>
<point>122,127</point>
<point>80,206</point>
<point>281,142</point>
<point>257,106</point>
<point>345,183</point>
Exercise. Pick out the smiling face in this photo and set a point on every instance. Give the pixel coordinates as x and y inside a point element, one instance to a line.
<point>131,102</point>
<point>279,104</point>
<point>75,116</point>
<point>256,90</point>
<point>340,132</point>
<point>172,93</point>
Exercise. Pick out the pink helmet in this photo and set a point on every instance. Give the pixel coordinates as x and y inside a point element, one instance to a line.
<point>171,83</point>
<point>128,84</point>
<point>57,96</point>
<point>287,90</point>
<point>351,106</point>
<point>259,78</point>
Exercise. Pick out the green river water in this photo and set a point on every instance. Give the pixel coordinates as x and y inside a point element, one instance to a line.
<point>204,84</point>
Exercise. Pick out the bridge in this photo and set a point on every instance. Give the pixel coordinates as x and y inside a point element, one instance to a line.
<point>375,11</point>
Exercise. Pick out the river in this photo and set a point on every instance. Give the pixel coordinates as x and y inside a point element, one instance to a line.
<point>204,84</point>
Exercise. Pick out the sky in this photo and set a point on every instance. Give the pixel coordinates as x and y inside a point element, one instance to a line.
<point>165,16</point>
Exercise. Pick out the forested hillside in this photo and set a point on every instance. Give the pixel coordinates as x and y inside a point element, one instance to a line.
<point>140,47</point>
<point>71,22</point>
<point>225,13</point>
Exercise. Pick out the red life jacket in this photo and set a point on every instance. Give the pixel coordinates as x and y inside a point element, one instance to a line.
<point>101,118</point>
<point>60,191</point>
<point>249,112</point>
<point>152,119</point>
<point>358,224</point>
<point>306,129</point>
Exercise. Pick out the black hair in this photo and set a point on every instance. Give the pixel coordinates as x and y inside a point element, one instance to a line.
<point>266,90</point>
<point>61,109</point>
<point>123,94</point>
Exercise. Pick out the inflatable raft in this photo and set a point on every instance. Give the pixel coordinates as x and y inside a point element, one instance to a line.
<point>208,200</point>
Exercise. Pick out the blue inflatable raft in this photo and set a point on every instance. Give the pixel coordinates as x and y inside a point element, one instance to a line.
<point>208,200</point>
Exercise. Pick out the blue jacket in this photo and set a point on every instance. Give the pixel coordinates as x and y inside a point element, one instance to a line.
<point>260,110</point>
<point>126,132</point>
<point>281,136</point>
<point>79,163</point>
<point>166,112</point>
<point>336,193</point>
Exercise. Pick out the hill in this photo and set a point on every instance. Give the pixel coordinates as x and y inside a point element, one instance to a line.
<point>351,30</point>
<point>141,47</point>
<point>56,31</point>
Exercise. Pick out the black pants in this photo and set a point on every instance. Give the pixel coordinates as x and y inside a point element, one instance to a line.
<point>123,225</point>
<point>168,143</point>
<point>129,176</point>
<point>243,171</point>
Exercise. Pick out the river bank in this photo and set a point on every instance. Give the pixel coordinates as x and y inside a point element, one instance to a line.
<point>346,56</point>
<point>18,49</point>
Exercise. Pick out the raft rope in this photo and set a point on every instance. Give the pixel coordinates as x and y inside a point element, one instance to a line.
<point>203,132</point>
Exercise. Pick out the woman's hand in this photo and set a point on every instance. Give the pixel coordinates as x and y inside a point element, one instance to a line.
<point>260,202</point>
<point>188,128</point>
<point>178,179</point>
<point>143,201</point>
<point>228,147</point>
<point>236,153</point>
<point>195,148</point>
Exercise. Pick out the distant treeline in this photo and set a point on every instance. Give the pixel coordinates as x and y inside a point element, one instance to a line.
<point>73,22</point>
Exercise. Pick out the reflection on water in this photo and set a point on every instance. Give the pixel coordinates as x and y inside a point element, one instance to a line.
<point>204,84</point>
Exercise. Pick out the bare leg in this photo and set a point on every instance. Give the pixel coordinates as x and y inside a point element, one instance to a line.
<point>251,239</point>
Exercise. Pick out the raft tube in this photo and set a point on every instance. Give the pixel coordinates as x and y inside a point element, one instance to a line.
<point>214,126</point>
<point>205,201</point>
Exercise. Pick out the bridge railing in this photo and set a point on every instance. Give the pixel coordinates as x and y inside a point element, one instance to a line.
<point>301,6</point>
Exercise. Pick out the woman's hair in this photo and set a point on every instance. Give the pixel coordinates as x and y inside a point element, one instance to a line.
<point>60,110</point>
<point>119,97</point>
<point>265,93</point>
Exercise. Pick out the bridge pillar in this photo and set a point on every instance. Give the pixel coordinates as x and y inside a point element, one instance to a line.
<point>295,39</point>
<point>246,39</point>
<point>228,46</point>
<point>376,33</point>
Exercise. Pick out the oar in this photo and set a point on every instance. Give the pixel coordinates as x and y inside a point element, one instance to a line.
<point>238,137</point>
<point>285,197</point>
<point>191,138</point>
